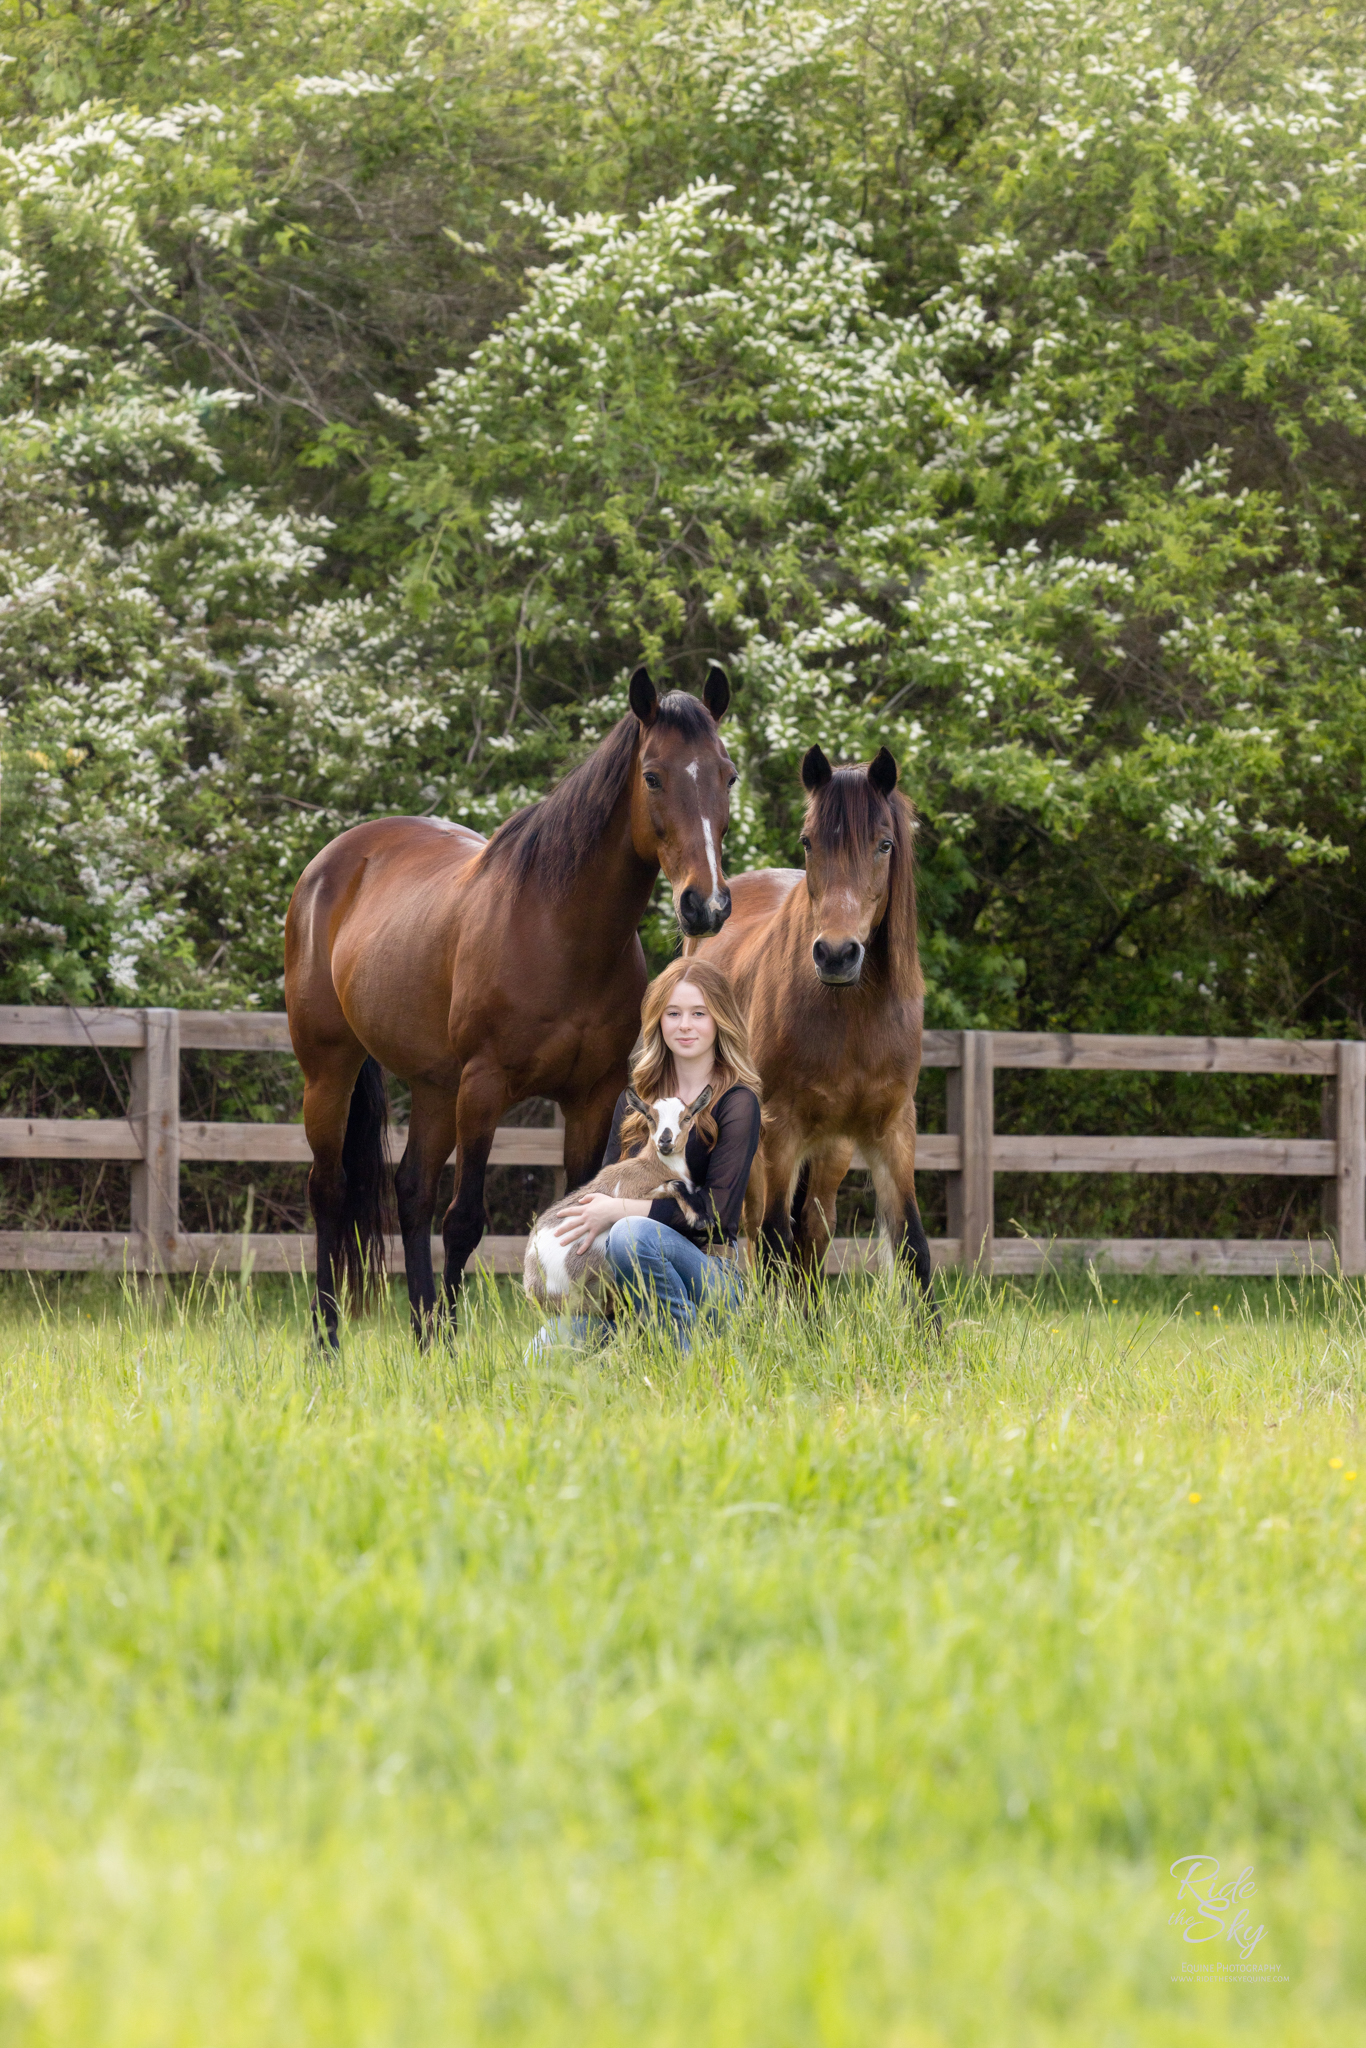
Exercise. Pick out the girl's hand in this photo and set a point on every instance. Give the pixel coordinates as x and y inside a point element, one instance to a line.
<point>589,1217</point>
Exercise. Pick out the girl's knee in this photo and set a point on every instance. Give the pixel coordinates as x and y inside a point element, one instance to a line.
<point>625,1237</point>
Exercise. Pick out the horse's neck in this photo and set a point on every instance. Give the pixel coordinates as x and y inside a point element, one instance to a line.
<point>611,892</point>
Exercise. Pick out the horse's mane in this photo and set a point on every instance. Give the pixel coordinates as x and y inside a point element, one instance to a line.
<point>556,837</point>
<point>847,807</point>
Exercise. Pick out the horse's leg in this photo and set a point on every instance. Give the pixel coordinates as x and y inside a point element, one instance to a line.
<point>587,1127</point>
<point>754,1206</point>
<point>431,1140</point>
<point>782,1148</point>
<point>815,1227</point>
<point>329,1078</point>
<point>481,1101</point>
<point>898,1210</point>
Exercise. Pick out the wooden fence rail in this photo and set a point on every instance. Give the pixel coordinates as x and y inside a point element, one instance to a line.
<point>156,1142</point>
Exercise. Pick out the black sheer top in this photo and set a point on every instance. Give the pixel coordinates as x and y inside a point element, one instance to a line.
<point>720,1175</point>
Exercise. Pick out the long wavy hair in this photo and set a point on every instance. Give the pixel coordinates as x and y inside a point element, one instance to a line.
<point>652,1069</point>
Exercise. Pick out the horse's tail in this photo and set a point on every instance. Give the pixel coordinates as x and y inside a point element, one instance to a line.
<point>365,1205</point>
<point>799,1195</point>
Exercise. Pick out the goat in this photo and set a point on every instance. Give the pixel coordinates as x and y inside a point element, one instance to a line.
<point>551,1269</point>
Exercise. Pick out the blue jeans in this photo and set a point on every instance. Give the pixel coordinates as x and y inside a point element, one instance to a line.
<point>659,1272</point>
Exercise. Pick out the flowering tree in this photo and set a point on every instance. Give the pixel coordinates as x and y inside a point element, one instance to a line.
<point>988,392</point>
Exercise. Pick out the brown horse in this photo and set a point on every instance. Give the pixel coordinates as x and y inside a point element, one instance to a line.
<point>485,971</point>
<point>827,966</point>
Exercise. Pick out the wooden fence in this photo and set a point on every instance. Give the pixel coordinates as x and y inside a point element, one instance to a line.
<point>157,1141</point>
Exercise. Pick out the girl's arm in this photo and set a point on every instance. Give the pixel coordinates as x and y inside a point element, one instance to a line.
<point>578,1226</point>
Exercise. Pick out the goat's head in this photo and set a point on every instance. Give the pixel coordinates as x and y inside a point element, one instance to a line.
<point>670,1120</point>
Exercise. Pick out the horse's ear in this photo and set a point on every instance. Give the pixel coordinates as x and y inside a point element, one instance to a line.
<point>696,1108</point>
<point>644,696</point>
<point>643,1107</point>
<point>882,772</point>
<point>816,770</point>
<point>716,691</point>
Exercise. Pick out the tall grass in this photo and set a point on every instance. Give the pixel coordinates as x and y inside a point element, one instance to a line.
<point>835,1684</point>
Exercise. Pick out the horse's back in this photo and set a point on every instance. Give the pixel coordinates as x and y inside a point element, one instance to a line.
<point>755,900</point>
<point>413,845</point>
<point>760,893</point>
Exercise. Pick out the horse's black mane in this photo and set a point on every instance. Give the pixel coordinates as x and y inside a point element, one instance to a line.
<point>555,837</point>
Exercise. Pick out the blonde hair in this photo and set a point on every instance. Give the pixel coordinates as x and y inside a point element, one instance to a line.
<point>652,1069</point>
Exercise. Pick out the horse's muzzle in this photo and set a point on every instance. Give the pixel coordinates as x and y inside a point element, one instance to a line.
<point>699,915</point>
<point>840,965</point>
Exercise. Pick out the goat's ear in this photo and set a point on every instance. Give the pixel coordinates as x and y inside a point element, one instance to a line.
<point>696,1108</point>
<point>816,770</point>
<point>644,1107</point>
<point>644,696</point>
<point>882,772</point>
<point>716,691</point>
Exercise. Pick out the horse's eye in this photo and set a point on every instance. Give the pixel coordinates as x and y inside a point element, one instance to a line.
<point>885,847</point>
<point>806,842</point>
<point>733,780</point>
<point>652,781</point>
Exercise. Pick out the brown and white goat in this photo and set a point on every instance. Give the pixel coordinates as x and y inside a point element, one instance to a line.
<point>552,1270</point>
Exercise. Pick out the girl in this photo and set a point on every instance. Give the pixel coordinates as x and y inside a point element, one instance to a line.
<point>693,1035</point>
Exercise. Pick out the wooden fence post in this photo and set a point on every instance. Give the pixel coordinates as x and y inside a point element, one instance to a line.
<point>971,1116</point>
<point>155,1116</point>
<point>1328,1128</point>
<point>1349,1187</point>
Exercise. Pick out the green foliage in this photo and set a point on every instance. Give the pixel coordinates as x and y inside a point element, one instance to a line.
<point>382,383</point>
<point>829,1689</point>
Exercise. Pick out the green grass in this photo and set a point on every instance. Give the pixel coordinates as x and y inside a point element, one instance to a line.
<point>831,1687</point>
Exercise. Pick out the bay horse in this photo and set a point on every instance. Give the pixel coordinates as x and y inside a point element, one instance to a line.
<point>484,971</point>
<point>826,964</point>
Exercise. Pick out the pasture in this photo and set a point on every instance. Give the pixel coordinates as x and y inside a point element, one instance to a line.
<point>830,1686</point>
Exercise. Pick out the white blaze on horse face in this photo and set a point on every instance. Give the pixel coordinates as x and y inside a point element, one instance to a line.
<point>843,915</point>
<point>711,856</point>
<point>692,770</point>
